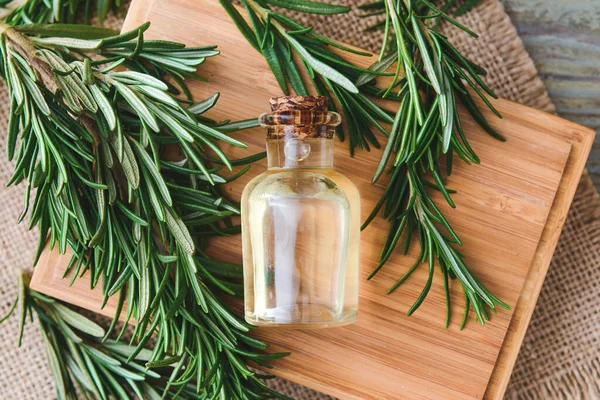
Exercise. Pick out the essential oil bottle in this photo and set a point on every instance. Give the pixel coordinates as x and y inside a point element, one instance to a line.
<point>300,223</point>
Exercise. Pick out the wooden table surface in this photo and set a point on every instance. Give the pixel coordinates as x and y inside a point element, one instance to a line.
<point>563,38</point>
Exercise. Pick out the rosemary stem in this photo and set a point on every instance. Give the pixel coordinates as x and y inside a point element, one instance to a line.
<point>263,14</point>
<point>22,45</point>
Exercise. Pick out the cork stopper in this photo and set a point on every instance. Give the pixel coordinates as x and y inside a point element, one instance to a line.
<point>299,103</point>
<point>299,117</point>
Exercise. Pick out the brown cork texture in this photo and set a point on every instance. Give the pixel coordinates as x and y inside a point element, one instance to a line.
<point>298,117</point>
<point>298,103</point>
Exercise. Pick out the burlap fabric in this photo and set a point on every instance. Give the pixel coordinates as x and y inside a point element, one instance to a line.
<point>560,355</point>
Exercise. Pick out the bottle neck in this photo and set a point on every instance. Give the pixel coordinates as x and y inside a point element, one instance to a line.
<point>297,153</point>
<point>300,138</point>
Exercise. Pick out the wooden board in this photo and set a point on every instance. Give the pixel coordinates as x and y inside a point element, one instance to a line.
<point>507,216</point>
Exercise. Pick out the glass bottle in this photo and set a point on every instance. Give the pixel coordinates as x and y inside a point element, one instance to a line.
<point>300,223</point>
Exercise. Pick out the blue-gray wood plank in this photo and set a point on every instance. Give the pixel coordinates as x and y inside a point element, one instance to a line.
<point>563,38</point>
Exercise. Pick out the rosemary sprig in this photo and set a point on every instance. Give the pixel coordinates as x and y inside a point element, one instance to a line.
<point>430,79</point>
<point>427,125</point>
<point>277,36</point>
<point>124,180</point>
<point>61,11</point>
<point>80,361</point>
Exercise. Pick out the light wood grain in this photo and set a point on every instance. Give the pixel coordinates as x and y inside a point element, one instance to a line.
<point>581,143</point>
<point>502,213</point>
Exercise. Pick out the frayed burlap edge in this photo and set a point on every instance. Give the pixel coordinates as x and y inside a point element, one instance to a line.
<point>582,383</point>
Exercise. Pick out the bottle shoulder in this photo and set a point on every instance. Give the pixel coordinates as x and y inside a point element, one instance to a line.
<point>301,180</point>
<point>252,183</point>
<point>345,184</point>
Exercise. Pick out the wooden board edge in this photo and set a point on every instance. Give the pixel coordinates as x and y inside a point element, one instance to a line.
<point>46,280</point>
<point>525,306</point>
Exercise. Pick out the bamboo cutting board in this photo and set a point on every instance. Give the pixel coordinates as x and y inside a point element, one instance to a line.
<point>510,210</point>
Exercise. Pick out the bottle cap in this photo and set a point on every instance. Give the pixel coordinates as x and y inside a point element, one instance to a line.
<point>299,117</point>
<point>299,103</point>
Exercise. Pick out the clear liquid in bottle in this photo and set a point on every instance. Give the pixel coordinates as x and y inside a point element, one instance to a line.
<point>300,227</point>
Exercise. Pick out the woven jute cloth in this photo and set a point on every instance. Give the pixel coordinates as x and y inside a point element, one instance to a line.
<point>559,358</point>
